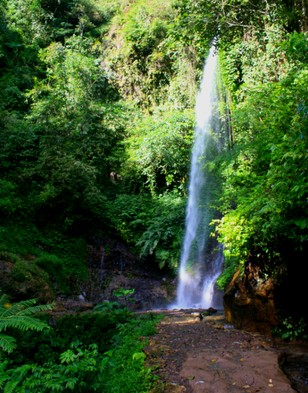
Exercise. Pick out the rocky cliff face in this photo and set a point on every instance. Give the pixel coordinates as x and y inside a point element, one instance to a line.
<point>112,266</point>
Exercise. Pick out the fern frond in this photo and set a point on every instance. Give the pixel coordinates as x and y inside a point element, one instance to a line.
<point>14,307</point>
<point>7,343</point>
<point>19,316</point>
<point>3,373</point>
<point>17,307</point>
<point>17,376</point>
<point>35,309</point>
<point>3,300</point>
<point>22,322</point>
<point>25,307</point>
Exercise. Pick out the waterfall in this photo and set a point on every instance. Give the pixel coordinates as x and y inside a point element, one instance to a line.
<point>199,265</point>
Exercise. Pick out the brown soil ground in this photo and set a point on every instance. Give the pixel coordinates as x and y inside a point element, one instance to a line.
<point>209,356</point>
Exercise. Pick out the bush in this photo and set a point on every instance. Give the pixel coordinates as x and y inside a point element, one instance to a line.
<point>290,329</point>
<point>85,365</point>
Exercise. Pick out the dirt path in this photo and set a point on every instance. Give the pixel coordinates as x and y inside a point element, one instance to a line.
<point>209,356</point>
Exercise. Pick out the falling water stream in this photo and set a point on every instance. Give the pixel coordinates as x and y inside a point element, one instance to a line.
<point>199,265</point>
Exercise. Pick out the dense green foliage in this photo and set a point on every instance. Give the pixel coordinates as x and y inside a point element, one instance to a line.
<point>151,225</point>
<point>94,351</point>
<point>96,127</point>
<point>263,53</point>
<point>96,105</point>
<point>20,316</point>
<point>264,213</point>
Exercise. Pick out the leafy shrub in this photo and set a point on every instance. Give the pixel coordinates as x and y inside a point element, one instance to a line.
<point>230,267</point>
<point>83,368</point>
<point>24,270</point>
<point>56,257</point>
<point>124,365</point>
<point>9,202</point>
<point>19,238</point>
<point>53,265</point>
<point>153,226</point>
<point>19,316</point>
<point>290,329</point>
<point>9,256</point>
<point>65,261</point>
<point>85,328</point>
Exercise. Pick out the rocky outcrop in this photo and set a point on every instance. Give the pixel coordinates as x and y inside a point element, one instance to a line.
<point>250,302</point>
<point>112,266</point>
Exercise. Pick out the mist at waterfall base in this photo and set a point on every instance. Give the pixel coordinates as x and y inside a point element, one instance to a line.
<point>201,258</point>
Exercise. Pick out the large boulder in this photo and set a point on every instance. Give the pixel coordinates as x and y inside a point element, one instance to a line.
<point>22,279</point>
<point>250,302</point>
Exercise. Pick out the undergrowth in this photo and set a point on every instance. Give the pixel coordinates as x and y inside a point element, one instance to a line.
<point>99,351</point>
<point>292,329</point>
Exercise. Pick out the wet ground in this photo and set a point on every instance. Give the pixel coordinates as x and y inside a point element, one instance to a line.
<point>210,356</point>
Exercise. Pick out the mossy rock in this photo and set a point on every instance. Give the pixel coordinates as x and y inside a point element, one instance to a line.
<point>23,279</point>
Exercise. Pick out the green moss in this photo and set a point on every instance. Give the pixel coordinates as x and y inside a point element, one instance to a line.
<point>8,256</point>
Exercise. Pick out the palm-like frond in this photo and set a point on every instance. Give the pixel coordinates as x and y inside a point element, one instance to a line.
<point>24,307</point>
<point>3,374</point>
<point>21,322</point>
<point>16,377</point>
<point>19,316</point>
<point>7,343</point>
